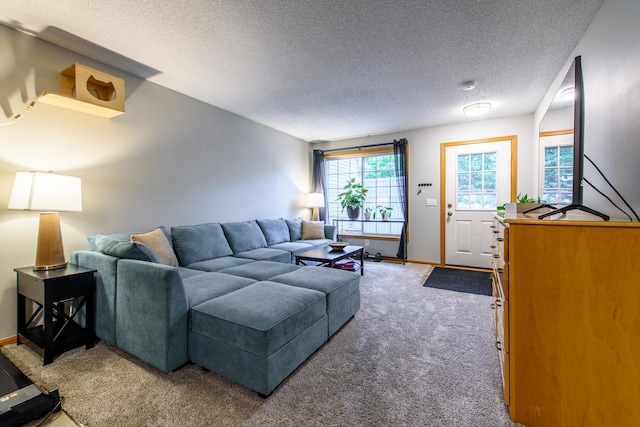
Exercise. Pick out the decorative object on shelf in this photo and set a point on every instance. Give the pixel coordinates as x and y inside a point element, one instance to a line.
<point>522,204</point>
<point>338,246</point>
<point>385,212</point>
<point>367,213</point>
<point>315,201</point>
<point>353,198</point>
<point>88,90</point>
<point>48,193</point>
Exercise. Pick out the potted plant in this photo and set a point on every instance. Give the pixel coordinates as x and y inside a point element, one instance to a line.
<point>522,204</point>
<point>367,213</point>
<point>352,198</point>
<point>385,212</point>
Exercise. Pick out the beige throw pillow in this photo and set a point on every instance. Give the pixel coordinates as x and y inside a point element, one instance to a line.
<point>312,230</point>
<point>159,244</point>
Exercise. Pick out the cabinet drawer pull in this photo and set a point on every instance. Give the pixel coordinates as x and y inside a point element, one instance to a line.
<point>493,306</point>
<point>498,303</point>
<point>500,270</point>
<point>493,246</point>
<point>500,239</point>
<point>499,345</point>
<point>496,255</point>
<point>495,231</point>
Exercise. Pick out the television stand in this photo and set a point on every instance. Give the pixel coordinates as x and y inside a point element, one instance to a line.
<point>566,209</point>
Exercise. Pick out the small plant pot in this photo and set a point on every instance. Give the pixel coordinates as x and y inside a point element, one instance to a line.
<point>367,216</point>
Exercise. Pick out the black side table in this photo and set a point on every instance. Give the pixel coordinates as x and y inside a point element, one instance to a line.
<point>51,330</point>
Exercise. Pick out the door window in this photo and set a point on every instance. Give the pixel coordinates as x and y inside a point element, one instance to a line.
<point>476,181</point>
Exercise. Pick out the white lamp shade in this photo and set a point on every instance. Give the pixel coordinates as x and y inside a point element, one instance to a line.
<point>315,200</point>
<point>46,191</point>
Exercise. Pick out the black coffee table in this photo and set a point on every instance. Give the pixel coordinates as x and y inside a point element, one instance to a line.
<point>328,257</point>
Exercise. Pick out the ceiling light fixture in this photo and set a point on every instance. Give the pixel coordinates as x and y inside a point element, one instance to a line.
<point>469,85</point>
<point>477,109</point>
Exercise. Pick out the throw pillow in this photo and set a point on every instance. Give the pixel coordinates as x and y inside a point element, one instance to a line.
<point>312,230</point>
<point>123,249</point>
<point>159,244</point>
<point>274,230</point>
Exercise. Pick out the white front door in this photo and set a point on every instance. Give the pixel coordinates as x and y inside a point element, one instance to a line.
<point>478,178</point>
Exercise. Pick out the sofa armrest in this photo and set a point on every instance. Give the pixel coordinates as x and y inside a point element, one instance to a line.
<point>330,231</point>
<point>105,292</point>
<point>152,313</point>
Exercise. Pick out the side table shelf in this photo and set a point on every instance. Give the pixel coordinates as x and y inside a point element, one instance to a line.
<point>52,299</point>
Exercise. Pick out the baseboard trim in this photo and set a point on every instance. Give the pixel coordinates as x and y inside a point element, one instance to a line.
<point>8,340</point>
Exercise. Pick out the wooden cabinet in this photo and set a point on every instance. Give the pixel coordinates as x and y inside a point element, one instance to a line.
<point>500,302</point>
<point>570,317</point>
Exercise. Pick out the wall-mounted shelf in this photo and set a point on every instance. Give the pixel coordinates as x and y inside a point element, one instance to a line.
<point>89,91</point>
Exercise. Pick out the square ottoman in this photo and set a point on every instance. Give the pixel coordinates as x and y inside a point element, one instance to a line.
<point>258,335</point>
<point>341,287</point>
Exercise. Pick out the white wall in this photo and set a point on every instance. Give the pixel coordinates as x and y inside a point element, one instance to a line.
<point>424,167</point>
<point>610,51</point>
<point>169,160</point>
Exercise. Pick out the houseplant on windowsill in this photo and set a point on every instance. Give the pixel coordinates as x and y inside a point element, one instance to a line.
<point>385,212</point>
<point>353,198</point>
<point>367,214</point>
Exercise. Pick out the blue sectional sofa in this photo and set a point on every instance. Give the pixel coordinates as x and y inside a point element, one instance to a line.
<point>226,296</point>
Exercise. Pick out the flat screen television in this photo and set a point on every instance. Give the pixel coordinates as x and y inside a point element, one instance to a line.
<point>575,74</point>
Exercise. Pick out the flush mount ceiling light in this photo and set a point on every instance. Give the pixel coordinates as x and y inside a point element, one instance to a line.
<point>477,109</point>
<point>469,85</point>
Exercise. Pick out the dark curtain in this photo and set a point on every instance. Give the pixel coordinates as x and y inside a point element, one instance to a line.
<point>317,180</point>
<point>400,159</point>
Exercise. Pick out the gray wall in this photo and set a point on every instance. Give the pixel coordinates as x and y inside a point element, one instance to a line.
<point>169,160</point>
<point>424,167</point>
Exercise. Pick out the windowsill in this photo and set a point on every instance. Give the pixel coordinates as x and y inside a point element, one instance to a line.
<point>357,235</point>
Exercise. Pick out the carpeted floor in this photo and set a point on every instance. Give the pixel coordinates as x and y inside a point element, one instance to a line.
<point>412,356</point>
<point>453,279</point>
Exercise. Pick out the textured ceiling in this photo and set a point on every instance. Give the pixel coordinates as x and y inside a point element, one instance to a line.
<point>326,69</point>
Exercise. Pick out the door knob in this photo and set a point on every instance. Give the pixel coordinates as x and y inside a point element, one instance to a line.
<point>449,213</point>
<point>449,205</point>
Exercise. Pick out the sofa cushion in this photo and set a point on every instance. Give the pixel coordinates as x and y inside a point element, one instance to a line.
<point>159,244</point>
<point>294,248</point>
<point>121,249</point>
<point>204,287</point>
<point>274,230</point>
<point>195,243</point>
<point>266,254</point>
<point>259,318</point>
<point>261,270</point>
<point>312,230</point>
<point>217,264</point>
<point>295,228</point>
<point>336,284</point>
<point>244,236</point>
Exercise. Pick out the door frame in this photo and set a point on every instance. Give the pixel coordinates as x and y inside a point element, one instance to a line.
<point>443,178</point>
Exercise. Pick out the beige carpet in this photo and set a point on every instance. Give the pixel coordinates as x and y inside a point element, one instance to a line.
<point>412,356</point>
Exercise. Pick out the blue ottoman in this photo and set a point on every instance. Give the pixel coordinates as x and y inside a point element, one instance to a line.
<point>258,335</point>
<point>341,287</point>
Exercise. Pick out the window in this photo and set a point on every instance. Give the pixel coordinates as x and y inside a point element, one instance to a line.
<point>556,168</point>
<point>376,171</point>
<point>558,174</point>
<point>476,176</point>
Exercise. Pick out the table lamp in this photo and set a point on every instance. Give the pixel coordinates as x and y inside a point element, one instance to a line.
<point>48,193</point>
<point>315,201</point>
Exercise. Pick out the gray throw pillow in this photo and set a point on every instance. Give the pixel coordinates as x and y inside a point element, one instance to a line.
<point>122,249</point>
